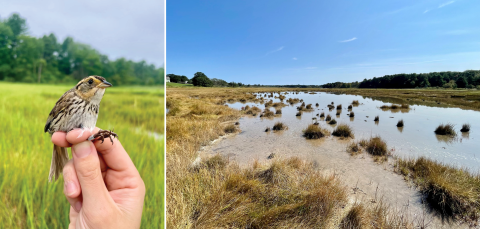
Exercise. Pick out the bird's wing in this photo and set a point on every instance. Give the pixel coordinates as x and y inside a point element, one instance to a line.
<point>59,107</point>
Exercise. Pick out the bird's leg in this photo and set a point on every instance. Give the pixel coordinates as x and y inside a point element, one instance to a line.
<point>102,134</point>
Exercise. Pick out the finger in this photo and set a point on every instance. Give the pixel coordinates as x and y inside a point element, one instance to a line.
<point>71,188</point>
<point>60,139</point>
<point>76,136</point>
<point>119,164</point>
<point>73,218</point>
<point>87,167</point>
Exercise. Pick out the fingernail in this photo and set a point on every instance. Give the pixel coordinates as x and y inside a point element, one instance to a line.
<point>82,149</point>
<point>78,206</point>
<point>70,188</point>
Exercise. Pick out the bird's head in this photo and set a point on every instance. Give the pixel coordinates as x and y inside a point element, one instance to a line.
<point>91,88</point>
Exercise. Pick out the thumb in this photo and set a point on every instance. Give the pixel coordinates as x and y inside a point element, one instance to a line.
<point>87,167</point>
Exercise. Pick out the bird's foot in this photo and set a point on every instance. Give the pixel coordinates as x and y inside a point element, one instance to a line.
<point>102,134</point>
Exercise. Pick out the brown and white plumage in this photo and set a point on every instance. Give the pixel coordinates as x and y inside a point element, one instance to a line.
<point>77,108</point>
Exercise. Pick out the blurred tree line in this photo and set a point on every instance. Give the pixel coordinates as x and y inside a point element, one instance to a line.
<point>465,79</point>
<point>46,60</point>
<point>200,79</point>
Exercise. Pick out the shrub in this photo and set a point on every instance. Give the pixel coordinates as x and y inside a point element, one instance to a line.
<point>343,130</point>
<point>446,129</point>
<point>279,126</point>
<point>332,122</point>
<point>314,132</point>
<point>465,127</point>
<point>400,123</point>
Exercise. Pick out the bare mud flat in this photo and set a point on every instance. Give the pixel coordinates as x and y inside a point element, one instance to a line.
<point>366,180</point>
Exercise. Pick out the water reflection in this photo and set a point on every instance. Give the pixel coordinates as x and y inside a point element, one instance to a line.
<point>445,138</point>
<point>400,129</point>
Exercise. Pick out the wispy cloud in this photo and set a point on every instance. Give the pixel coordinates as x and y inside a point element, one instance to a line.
<point>445,4</point>
<point>426,11</point>
<point>457,32</point>
<point>276,50</point>
<point>352,39</point>
<point>294,58</point>
<point>309,68</point>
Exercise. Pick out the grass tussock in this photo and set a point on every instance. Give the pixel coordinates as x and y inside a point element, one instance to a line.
<point>278,111</point>
<point>465,127</point>
<point>314,132</point>
<point>376,146</point>
<point>328,118</point>
<point>446,129</point>
<point>299,113</point>
<point>377,118</point>
<point>453,192</point>
<point>395,107</point>
<point>350,107</point>
<point>353,148</point>
<point>339,107</point>
<point>267,113</point>
<point>322,115</point>
<point>343,130</point>
<point>400,123</point>
<point>355,102</point>
<point>352,114</point>
<point>292,101</point>
<point>279,126</point>
<point>309,106</point>
<point>231,128</point>
<point>332,122</point>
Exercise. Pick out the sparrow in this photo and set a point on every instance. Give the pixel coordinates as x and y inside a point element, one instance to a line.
<point>77,108</point>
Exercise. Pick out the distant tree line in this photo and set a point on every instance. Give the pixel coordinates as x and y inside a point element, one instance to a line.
<point>200,79</point>
<point>24,58</point>
<point>465,79</point>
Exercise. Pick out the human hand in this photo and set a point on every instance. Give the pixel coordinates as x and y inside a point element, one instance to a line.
<point>102,184</point>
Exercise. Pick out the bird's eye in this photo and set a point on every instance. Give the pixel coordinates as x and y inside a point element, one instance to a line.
<point>90,81</point>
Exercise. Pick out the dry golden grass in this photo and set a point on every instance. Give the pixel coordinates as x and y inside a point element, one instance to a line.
<point>453,192</point>
<point>279,126</point>
<point>216,193</point>
<point>314,132</point>
<point>446,129</point>
<point>343,130</point>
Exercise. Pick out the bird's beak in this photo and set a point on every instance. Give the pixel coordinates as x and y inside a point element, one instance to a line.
<point>104,84</point>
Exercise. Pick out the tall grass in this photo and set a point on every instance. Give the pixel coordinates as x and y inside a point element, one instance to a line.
<point>314,132</point>
<point>343,130</point>
<point>27,199</point>
<point>453,192</point>
<point>465,127</point>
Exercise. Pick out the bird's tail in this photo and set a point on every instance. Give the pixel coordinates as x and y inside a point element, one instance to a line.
<point>59,159</point>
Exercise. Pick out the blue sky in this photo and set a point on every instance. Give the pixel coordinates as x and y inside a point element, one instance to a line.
<point>316,42</point>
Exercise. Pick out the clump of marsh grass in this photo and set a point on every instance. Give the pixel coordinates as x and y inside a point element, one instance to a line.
<point>231,128</point>
<point>322,115</point>
<point>314,132</point>
<point>332,122</point>
<point>268,113</point>
<point>328,118</point>
<point>400,123</point>
<point>453,192</point>
<point>377,118</point>
<point>355,102</point>
<point>446,129</point>
<point>279,126</point>
<point>339,107</point>
<point>309,106</point>
<point>351,114</point>
<point>299,113</point>
<point>353,149</point>
<point>267,129</point>
<point>343,130</point>
<point>376,146</point>
<point>465,127</point>
<point>405,106</point>
<point>316,104</point>
<point>278,111</point>
<point>395,107</point>
<point>293,101</point>
<point>350,107</point>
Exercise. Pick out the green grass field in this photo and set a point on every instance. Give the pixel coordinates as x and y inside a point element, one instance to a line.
<point>27,200</point>
<point>170,84</point>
